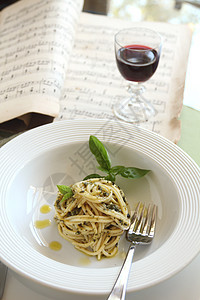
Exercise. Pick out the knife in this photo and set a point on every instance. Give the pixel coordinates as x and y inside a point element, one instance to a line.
<point>3,274</point>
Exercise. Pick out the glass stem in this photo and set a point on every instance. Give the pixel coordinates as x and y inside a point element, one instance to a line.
<point>135,90</point>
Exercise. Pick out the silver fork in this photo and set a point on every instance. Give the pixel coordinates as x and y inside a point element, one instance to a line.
<point>140,232</point>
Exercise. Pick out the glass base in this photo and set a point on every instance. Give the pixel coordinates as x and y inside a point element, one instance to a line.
<point>134,111</point>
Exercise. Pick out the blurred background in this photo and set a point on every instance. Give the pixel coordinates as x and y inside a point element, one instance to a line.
<point>172,11</point>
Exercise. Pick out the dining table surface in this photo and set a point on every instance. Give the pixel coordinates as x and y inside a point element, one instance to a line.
<point>185,284</point>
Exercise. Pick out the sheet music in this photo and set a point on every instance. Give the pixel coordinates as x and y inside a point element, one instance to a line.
<point>36,38</point>
<point>93,83</point>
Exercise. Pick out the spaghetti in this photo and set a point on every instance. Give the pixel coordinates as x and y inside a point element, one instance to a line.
<point>94,218</point>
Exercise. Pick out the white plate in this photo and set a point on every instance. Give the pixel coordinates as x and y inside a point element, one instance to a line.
<point>33,164</point>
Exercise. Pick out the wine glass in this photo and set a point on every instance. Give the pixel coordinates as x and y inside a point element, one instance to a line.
<point>137,52</point>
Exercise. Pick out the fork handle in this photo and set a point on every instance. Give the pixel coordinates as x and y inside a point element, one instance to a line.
<point>119,289</point>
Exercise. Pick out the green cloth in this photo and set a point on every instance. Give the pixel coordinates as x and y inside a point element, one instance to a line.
<point>190,133</point>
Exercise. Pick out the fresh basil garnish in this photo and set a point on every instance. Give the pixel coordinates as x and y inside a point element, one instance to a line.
<point>93,176</point>
<point>131,172</point>
<point>110,177</point>
<point>117,169</point>
<point>66,191</point>
<point>99,151</point>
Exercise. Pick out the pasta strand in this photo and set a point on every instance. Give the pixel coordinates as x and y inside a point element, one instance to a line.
<point>94,218</point>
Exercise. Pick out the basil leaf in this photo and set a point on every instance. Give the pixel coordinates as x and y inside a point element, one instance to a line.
<point>110,177</point>
<point>117,169</point>
<point>66,196</point>
<point>131,172</point>
<point>100,152</point>
<point>64,189</point>
<point>102,169</point>
<point>93,176</point>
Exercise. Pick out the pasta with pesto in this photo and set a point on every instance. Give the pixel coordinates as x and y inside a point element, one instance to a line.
<point>94,217</point>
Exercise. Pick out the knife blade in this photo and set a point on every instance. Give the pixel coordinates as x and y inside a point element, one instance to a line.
<point>3,274</point>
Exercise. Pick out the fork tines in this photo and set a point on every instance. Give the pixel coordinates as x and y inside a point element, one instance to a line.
<point>143,220</point>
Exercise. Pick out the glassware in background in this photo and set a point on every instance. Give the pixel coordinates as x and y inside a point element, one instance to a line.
<point>137,52</point>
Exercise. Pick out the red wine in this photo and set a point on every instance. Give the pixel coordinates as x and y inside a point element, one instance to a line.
<point>137,65</point>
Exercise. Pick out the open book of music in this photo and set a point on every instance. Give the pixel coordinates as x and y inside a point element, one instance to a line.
<point>58,63</point>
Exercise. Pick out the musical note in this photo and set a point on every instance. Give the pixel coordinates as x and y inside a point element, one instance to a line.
<point>35,50</point>
<point>34,53</point>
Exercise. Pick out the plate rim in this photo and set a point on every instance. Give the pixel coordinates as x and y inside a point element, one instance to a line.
<point>86,123</point>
